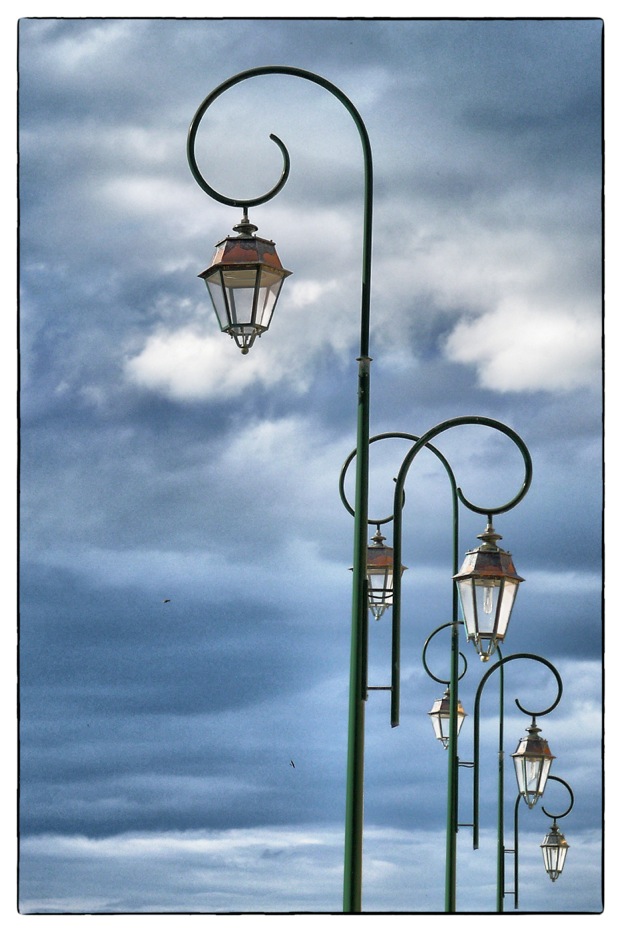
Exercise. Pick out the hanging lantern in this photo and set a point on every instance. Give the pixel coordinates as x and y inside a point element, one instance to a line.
<point>554,851</point>
<point>487,585</point>
<point>379,575</point>
<point>532,762</point>
<point>439,716</point>
<point>244,281</point>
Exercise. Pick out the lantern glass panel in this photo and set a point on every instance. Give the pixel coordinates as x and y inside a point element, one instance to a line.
<point>507,595</point>
<point>270,286</point>
<point>532,762</point>
<point>380,589</point>
<point>532,776</point>
<point>218,294</point>
<point>439,716</point>
<point>239,285</point>
<point>469,606</point>
<point>487,606</point>
<point>437,724</point>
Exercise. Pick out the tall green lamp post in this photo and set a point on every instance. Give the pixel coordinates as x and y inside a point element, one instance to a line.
<point>244,280</point>
<point>554,846</point>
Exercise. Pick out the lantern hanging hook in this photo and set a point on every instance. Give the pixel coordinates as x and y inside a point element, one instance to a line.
<point>194,168</point>
<point>437,679</point>
<point>566,811</point>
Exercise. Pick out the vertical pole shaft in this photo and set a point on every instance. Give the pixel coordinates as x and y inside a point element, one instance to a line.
<point>353,857</point>
<point>452,780</point>
<point>500,819</point>
<point>353,864</point>
<point>454,761</point>
<point>516,808</point>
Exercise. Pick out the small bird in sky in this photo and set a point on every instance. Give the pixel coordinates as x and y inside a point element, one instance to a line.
<point>292,764</point>
<point>166,600</point>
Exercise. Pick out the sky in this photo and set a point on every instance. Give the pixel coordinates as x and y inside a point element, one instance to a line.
<point>184,554</point>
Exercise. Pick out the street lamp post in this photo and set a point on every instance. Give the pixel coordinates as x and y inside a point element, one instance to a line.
<point>532,758</point>
<point>554,846</point>
<point>258,278</point>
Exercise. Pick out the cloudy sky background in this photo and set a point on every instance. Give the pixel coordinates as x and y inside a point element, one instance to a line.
<point>159,463</point>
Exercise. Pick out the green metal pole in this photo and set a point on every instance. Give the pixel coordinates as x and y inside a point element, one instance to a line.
<point>453,763</point>
<point>516,808</point>
<point>452,780</point>
<point>500,799</point>
<point>353,860</point>
<point>353,855</point>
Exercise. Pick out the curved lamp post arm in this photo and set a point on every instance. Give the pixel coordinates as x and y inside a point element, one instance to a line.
<point>500,757</point>
<point>422,442</point>
<point>395,435</point>
<point>549,814</point>
<point>401,435</point>
<point>419,442</point>
<point>438,679</point>
<point>476,721</point>
<point>563,814</point>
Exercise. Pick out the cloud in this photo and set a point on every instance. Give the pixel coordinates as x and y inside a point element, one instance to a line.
<point>186,365</point>
<point>191,363</point>
<point>518,347</point>
<point>215,871</point>
<point>280,870</point>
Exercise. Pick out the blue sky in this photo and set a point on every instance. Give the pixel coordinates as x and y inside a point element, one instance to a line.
<point>159,463</point>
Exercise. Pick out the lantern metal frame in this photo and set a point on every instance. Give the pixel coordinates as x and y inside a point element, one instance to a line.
<point>532,763</point>
<point>379,569</point>
<point>245,265</point>
<point>440,716</point>
<point>487,584</point>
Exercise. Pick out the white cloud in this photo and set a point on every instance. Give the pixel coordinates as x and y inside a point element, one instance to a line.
<point>276,869</point>
<point>204,871</point>
<point>187,365</point>
<point>519,347</point>
<point>572,581</point>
